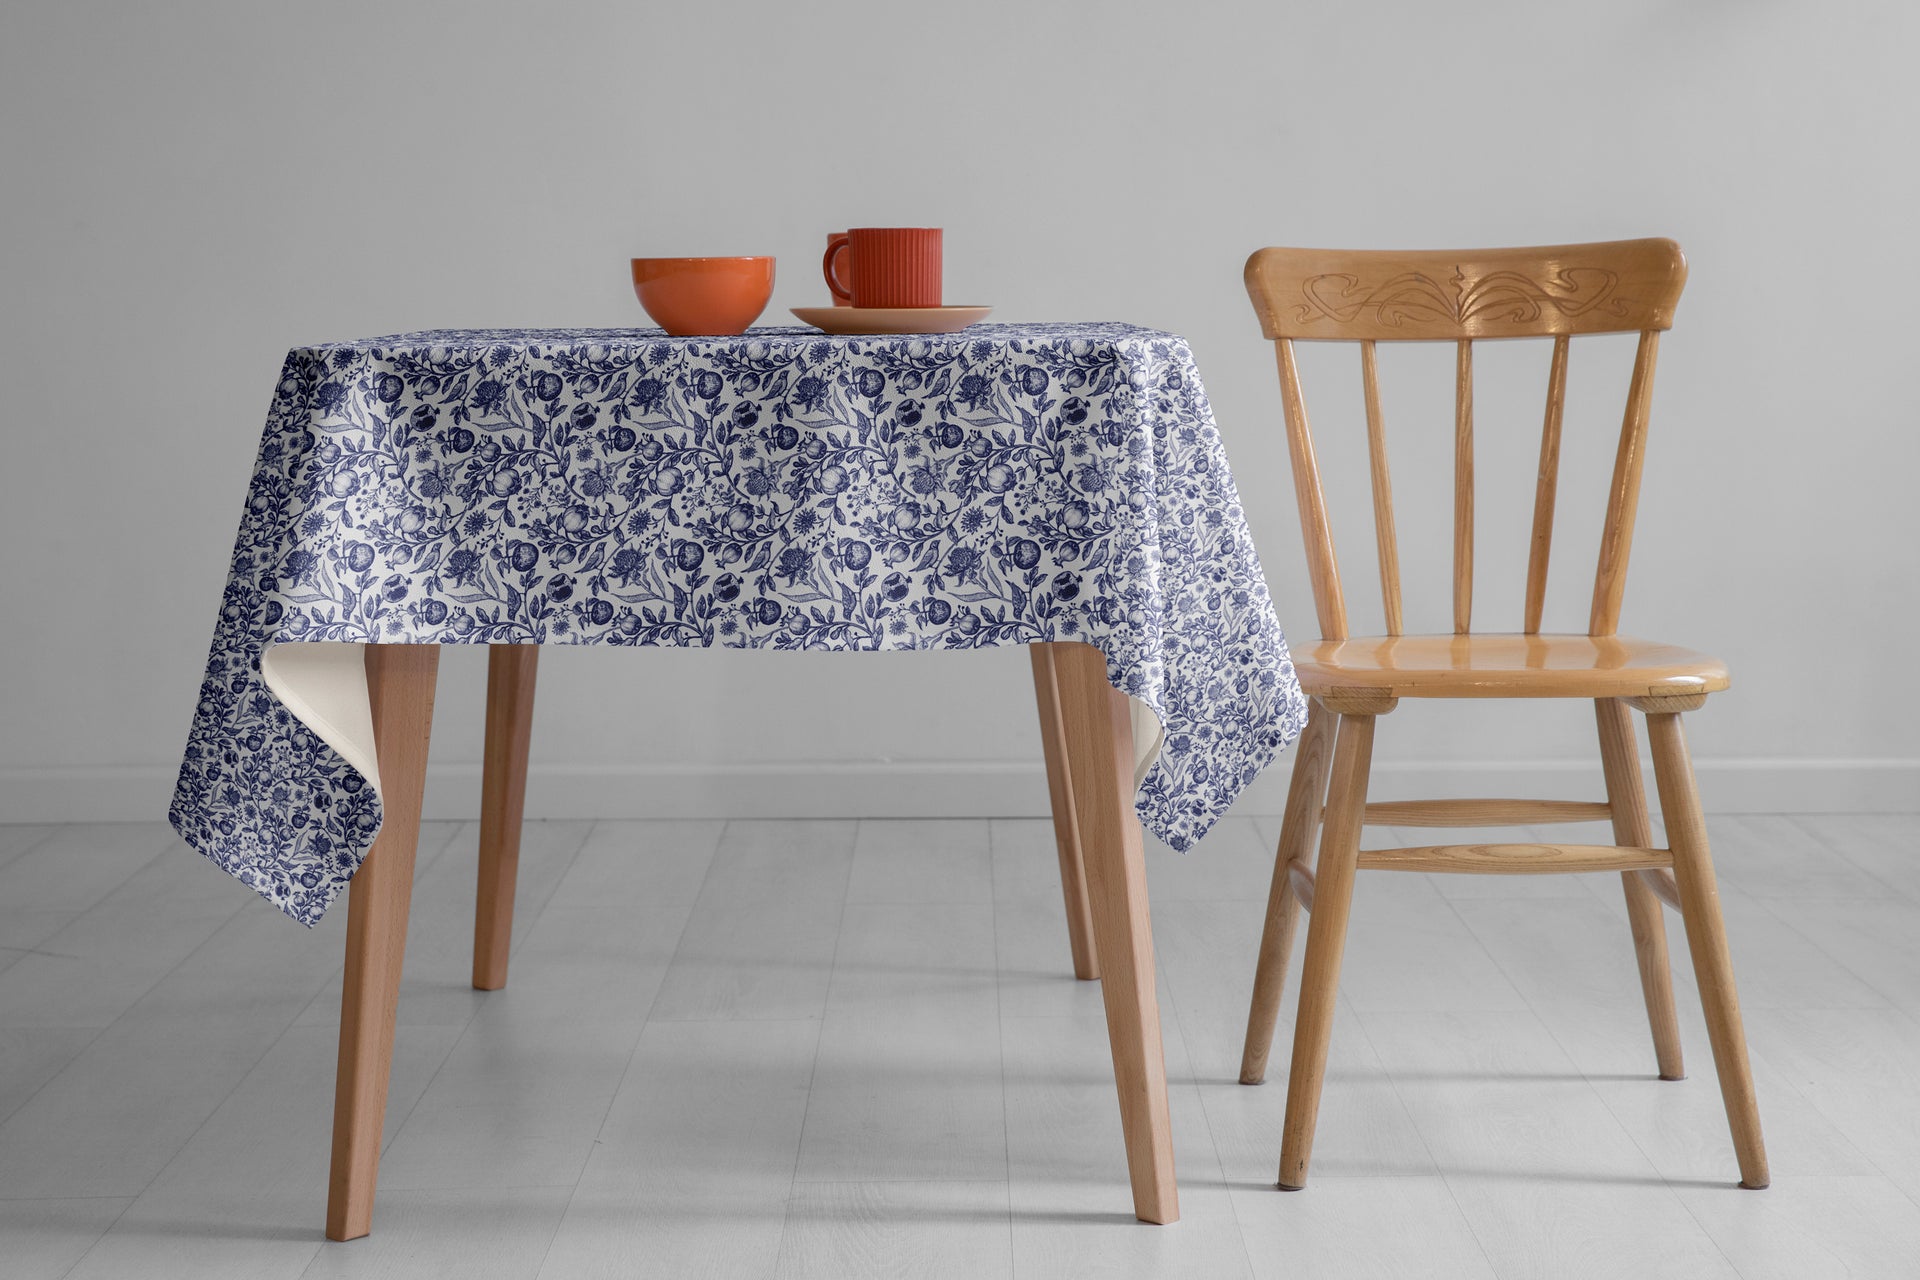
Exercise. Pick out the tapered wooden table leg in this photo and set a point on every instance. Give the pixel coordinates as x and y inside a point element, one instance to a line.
<point>400,681</point>
<point>1099,737</point>
<point>503,806</point>
<point>1066,823</point>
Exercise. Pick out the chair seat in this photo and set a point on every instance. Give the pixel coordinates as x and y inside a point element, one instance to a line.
<point>1507,666</point>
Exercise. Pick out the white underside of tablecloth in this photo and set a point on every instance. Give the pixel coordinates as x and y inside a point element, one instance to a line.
<point>324,685</point>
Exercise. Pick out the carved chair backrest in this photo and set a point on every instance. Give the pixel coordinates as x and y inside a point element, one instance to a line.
<point>1554,291</point>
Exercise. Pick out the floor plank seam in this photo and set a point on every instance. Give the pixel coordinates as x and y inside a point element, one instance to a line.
<point>1000,1021</point>
<point>600,1130</point>
<point>813,1072</point>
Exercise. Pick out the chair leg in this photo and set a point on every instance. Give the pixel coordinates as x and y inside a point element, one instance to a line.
<point>1066,824</point>
<point>1632,826</point>
<point>1099,737</point>
<point>400,686</point>
<point>1707,939</point>
<point>1326,940</point>
<point>1304,795</point>
<point>503,805</point>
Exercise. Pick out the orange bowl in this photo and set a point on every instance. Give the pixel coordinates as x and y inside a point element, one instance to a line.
<point>703,297</point>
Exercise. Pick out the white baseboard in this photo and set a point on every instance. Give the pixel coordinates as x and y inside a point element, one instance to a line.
<point>965,789</point>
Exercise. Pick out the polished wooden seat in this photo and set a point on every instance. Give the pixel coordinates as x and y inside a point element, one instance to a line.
<point>1559,292</point>
<point>1489,665</point>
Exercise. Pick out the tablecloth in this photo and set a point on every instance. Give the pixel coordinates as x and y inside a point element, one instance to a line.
<point>782,489</point>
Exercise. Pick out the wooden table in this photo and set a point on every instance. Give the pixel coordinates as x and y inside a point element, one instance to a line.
<point>1087,729</point>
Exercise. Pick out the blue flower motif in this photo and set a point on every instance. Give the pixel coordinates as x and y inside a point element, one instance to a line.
<point>975,390</point>
<point>963,562</point>
<point>648,393</point>
<point>793,562</point>
<point>628,563</point>
<point>462,565</point>
<point>811,393</point>
<point>489,394</point>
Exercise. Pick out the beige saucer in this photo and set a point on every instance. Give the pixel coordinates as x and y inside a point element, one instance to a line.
<point>891,319</point>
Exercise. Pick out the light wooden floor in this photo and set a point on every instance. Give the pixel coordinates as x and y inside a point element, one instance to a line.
<point>856,1049</point>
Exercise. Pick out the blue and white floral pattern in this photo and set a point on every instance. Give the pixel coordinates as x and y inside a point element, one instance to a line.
<point>783,489</point>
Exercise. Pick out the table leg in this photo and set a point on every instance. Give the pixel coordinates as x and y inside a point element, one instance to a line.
<point>503,806</point>
<point>400,687</point>
<point>1098,732</point>
<point>1066,824</point>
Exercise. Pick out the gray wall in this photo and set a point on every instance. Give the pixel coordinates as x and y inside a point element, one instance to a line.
<point>190,189</point>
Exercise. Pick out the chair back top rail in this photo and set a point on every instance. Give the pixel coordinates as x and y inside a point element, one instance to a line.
<point>1462,296</point>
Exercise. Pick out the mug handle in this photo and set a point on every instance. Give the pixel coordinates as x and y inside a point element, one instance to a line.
<point>836,245</point>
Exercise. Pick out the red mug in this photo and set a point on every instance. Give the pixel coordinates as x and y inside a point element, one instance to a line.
<point>884,267</point>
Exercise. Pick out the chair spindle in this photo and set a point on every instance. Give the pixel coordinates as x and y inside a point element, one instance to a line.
<point>1463,491</point>
<point>1383,533</point>
<point>1544,487</point>
<point>1623,496</point>
<point>1314,529</point>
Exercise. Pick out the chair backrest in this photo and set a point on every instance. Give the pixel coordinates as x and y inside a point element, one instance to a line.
<point>1553,291</point>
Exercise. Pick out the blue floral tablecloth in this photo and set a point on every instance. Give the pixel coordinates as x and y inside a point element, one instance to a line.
<point>782,489</point>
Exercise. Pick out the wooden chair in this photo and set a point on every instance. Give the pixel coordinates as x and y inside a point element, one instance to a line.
<point>1553,292</point>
